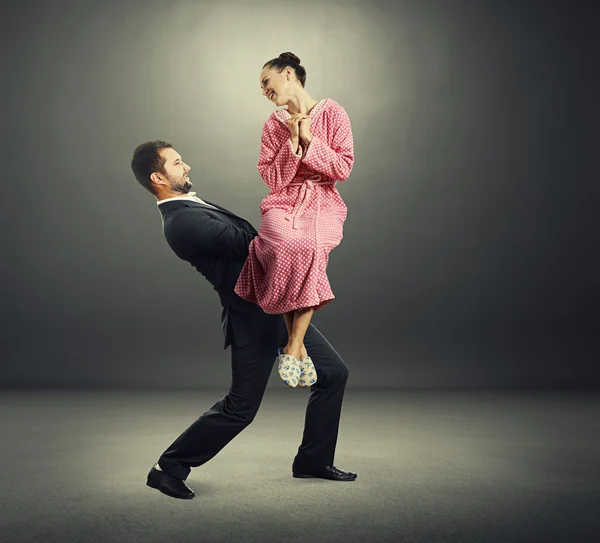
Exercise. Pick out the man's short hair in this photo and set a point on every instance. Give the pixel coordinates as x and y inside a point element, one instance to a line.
<point>147,160</point>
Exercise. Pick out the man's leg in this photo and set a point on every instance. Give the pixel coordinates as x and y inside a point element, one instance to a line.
<point>324,404</point>
<point>251,367</point>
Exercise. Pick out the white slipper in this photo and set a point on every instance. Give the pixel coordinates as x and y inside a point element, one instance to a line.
<point>308,373</point>
<point>289,369</point>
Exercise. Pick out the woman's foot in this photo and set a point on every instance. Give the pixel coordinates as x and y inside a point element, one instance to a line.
<point>293,350</point>
<point>303,352</point>
<point>288,368</point>
<point>308,373</point>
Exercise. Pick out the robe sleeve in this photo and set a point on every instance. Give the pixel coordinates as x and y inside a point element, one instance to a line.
<point>336,159</point>
<point>277,164</point>
<point>199,233</point>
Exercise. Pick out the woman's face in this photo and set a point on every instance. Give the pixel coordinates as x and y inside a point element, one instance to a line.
<point>276,86</point>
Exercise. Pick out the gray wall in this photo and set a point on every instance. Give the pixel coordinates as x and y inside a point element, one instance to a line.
<point>470,252</point>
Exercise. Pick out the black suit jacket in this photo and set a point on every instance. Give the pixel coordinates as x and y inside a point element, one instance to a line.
<point>215,242</point>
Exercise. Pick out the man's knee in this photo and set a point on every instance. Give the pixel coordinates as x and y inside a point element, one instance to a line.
<point>241,409</point>
<point>337,375</point>
<point>342,375</point>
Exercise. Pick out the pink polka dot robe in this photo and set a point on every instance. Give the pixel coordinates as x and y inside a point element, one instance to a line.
<point>302,216</point>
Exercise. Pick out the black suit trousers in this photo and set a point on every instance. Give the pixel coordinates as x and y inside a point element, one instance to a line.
<point>251,367</point>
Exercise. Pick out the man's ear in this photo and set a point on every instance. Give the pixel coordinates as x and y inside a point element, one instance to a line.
<point>155,178</point>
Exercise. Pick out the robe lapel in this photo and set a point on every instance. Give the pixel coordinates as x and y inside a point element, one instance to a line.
<point>283,115</point>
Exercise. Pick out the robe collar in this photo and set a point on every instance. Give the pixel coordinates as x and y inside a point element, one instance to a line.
<point>283,115</point>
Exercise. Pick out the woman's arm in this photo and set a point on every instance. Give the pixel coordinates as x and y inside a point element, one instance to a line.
<point>336,159</point>
<point>277,164</point>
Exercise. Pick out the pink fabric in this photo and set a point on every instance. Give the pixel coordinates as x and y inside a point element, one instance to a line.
<point>302,216</point>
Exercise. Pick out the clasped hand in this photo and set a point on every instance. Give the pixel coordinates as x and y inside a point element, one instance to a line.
<point>299,125</point>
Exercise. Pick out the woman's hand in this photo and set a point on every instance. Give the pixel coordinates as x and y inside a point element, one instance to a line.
<point>293,126</point>
<point>304,130</point>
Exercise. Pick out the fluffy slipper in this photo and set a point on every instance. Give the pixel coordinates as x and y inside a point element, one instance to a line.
<point>289,369</point>
<point>308,373</point>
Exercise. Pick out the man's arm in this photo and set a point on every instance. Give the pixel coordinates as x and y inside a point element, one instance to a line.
<point>195,233</point>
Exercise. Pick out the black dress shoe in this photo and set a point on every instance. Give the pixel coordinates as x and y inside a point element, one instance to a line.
<point>169,485</point>
<point>324,472</point>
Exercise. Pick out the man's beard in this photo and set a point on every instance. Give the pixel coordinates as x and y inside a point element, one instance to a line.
<point>181,185</point>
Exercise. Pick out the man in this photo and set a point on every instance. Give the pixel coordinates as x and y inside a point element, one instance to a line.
<point>215,241</point>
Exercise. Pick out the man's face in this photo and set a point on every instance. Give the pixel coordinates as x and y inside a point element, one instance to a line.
<point>176,171</point>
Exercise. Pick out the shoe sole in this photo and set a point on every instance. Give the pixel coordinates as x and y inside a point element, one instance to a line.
<point>306,476</point>
<point>148,483</point>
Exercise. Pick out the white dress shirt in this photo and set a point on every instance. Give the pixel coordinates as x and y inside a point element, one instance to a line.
<point>189,196</point>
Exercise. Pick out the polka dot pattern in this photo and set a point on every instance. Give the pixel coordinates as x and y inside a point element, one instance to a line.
<point>302,216</point>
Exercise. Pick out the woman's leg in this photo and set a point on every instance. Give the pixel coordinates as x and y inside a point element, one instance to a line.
<point>295,345</point>
<point>289,324</point>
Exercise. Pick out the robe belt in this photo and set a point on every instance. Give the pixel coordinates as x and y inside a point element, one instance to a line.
<point>306,188</point>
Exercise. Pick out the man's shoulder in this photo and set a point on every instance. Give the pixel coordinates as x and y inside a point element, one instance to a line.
<point>176,205</point>
<point>187,209</point>
<point>173,210</point>
<point>179,219</point>
<point>176,220</point>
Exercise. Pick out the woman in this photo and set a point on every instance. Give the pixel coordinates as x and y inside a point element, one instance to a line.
<point>304,151</point>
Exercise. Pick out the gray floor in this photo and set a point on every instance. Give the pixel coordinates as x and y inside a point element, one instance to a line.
<point>481,466</point>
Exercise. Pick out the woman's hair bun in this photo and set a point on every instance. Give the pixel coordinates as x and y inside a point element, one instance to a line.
<point>290,56</point>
